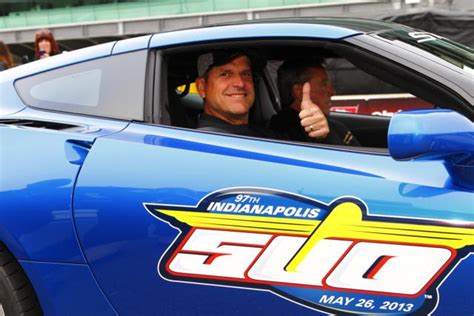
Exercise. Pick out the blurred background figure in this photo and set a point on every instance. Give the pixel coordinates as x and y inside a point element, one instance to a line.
<point>5,57</point>
<point>45,44</point>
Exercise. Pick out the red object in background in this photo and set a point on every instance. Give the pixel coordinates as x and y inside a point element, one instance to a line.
<point>377,104</point>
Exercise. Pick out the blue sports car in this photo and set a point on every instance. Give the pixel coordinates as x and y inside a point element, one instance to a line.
<point>112,202</point>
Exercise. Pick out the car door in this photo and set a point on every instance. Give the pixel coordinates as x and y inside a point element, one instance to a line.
<point>182,221</point>
<point>60,110</point>
<point>51,115</point>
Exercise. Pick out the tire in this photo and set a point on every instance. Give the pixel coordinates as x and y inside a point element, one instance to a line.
<point>17,297</point>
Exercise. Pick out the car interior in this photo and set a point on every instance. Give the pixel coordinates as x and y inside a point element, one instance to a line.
<point>351,72</point>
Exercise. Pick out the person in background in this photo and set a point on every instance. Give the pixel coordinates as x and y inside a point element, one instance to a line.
<point>5,57</point>
<point>45,44</point>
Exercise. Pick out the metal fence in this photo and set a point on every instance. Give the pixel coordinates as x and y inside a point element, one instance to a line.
<point>139,9</point>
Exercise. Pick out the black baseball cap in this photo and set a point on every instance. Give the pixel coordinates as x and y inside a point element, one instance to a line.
<point>223,56</point>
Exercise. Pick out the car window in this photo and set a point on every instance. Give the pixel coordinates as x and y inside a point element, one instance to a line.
<point>81,88</point>
<point>358,92</point>
<point>108,87</point>
<point>369,89</point>
<point>448,51</point>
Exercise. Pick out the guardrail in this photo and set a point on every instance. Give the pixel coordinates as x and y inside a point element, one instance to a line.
<point>140,9</point>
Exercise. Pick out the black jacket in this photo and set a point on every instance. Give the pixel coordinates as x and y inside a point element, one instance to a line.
<point>288,121</point>
<point>213,124</point>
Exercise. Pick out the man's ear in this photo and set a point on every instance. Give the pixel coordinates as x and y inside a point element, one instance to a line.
<point>297,91</point>
<point>201,86</point>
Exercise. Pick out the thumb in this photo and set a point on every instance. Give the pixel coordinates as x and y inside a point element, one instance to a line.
<point>306,96</point>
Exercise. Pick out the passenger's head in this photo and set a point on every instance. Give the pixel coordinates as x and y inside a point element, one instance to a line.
<point>45,43</point>
<point>292,74</point>
<point>225,82</point>
<point>5,56</point>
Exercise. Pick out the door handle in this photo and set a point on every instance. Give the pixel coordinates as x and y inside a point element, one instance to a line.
<point>77,150</point>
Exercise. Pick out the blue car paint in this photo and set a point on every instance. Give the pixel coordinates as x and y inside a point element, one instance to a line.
<point>77,150</point>
<point>42,190</point>
<point>131,44</point>
<point>67,289</point>
<point>123,244</point>
<point>39,195</point>
<point>199,141</point>
<point>11,102</point>
<point>451,290</point>
<point>440,135</point>
<point>264,30</point>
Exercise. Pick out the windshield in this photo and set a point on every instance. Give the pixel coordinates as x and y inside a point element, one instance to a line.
<point>454,53</point>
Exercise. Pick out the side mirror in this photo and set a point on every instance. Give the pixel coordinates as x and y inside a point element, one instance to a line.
<point>435,135</point>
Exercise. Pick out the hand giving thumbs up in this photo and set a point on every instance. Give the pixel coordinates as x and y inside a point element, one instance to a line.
<point>312,118</point>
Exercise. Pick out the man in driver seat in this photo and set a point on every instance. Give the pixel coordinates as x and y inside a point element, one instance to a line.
<point>225,83</point>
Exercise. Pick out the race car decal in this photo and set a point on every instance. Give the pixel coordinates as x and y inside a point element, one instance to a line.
<point>332,257</point>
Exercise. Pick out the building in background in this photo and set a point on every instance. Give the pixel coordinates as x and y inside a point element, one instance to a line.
<point>80,23</point>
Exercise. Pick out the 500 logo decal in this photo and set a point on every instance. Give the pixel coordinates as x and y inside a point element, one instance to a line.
<point>330,257</point>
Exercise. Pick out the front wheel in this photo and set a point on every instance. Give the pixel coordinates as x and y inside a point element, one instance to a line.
<point>17,297</point>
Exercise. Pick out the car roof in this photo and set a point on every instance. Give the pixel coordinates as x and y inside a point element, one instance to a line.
<point>354,24</point>
<point>328,28</point>
<point>251,31</point>
<point>316,28</point>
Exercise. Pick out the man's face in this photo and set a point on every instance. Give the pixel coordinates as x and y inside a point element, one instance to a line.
<point>228,91</point>
<point>321,89</point>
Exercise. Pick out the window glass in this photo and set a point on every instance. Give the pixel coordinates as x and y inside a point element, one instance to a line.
<point>358,92</point>
<point>454,53</point>
<point>110,87</point>
<point>75,89</point>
